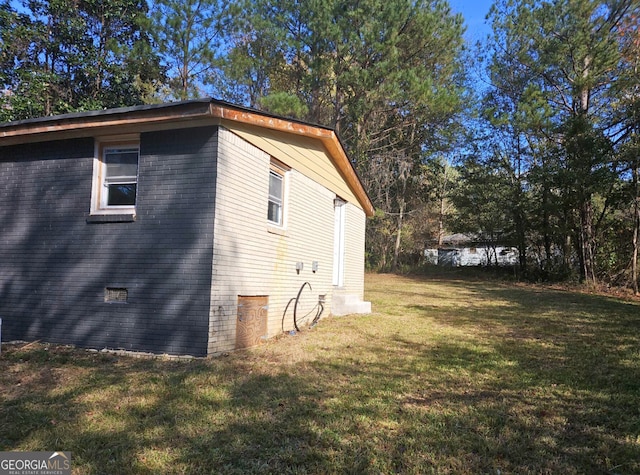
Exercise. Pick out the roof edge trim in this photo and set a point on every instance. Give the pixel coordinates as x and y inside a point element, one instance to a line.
<point>44,128</point>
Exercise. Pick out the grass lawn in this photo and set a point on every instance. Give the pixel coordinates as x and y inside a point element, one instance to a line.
<point>448,375</point>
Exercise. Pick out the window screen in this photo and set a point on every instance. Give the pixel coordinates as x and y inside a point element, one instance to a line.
<point>276,187</point>
<point>121,176</point>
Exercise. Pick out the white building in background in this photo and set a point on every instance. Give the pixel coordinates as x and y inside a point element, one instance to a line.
<point>462,250</point>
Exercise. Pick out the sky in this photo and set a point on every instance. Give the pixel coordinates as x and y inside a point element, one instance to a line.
<point>474,12</point>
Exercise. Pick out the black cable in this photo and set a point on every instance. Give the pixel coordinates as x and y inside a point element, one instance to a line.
<point>295,307</point>
<point>285,312</point>
<point>317,317</point>
<point>319,306</point>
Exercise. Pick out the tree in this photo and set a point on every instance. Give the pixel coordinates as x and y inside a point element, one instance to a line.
<point>31,85</point>
<point>626,104</point>
<point>440,178</point>
<point>275,52</point>
<point>512,148</point>
<point>387,75</point>
<point>189,35</point>
<point>60,56</point>
<point>118,54</point>
<point>568,51</point>
<point>482,201</point>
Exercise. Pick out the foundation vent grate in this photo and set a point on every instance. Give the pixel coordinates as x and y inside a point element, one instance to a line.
<point>116,294</point>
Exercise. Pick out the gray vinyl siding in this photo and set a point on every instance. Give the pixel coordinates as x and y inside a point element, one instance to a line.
<point>55,266</point>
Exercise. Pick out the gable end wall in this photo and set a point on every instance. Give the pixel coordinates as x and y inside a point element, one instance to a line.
<point>251,259</point>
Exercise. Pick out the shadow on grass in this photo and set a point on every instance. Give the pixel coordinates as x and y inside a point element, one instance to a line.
<point>561,367</point>
<point>150,416</point>
<point>512,379</point>
<point>588,340</point>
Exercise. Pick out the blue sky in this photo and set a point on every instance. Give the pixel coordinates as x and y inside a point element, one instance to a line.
<point>474,12</point>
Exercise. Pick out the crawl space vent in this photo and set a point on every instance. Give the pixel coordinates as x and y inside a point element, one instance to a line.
<point>116,294</point>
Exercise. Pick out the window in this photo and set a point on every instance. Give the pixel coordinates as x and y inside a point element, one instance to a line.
<point>275,212</point>
<point>116,178</point>
<point>120,176</point>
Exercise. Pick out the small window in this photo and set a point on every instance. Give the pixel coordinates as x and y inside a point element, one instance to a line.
<point>121,176</point>
<point>116,178</point>
<point>275,212</point>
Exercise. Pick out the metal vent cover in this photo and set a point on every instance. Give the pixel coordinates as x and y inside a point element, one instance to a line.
<point>116,294</point>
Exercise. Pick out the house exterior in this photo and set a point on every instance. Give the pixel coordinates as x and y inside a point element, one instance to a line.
<point>189,228</point>
<point>461,250</point>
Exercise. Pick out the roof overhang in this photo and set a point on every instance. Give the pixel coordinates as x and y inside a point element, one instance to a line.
<point>178,115</point>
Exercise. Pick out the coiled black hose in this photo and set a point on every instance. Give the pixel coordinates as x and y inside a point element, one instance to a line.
<point>295,306</point>
<point>319,306</point>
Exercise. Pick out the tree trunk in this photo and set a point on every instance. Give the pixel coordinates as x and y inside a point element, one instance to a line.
<point>587,242</point>
<point>396,249</point>
<point>546,225</point>
<point>636,229</point>
<point>634,259</point>
<point>522,247</point>
<point>441,221</point>
<point>566,252</point>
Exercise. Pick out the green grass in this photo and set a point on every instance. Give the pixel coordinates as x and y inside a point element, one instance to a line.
<point>448,375</point>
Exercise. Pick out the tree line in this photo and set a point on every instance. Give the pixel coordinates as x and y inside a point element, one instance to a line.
<point>529,137</point>
<point>558,127</point>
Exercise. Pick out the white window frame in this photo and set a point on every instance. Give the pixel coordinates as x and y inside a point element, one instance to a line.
<point>278,169</point>
<point>99,192</point>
